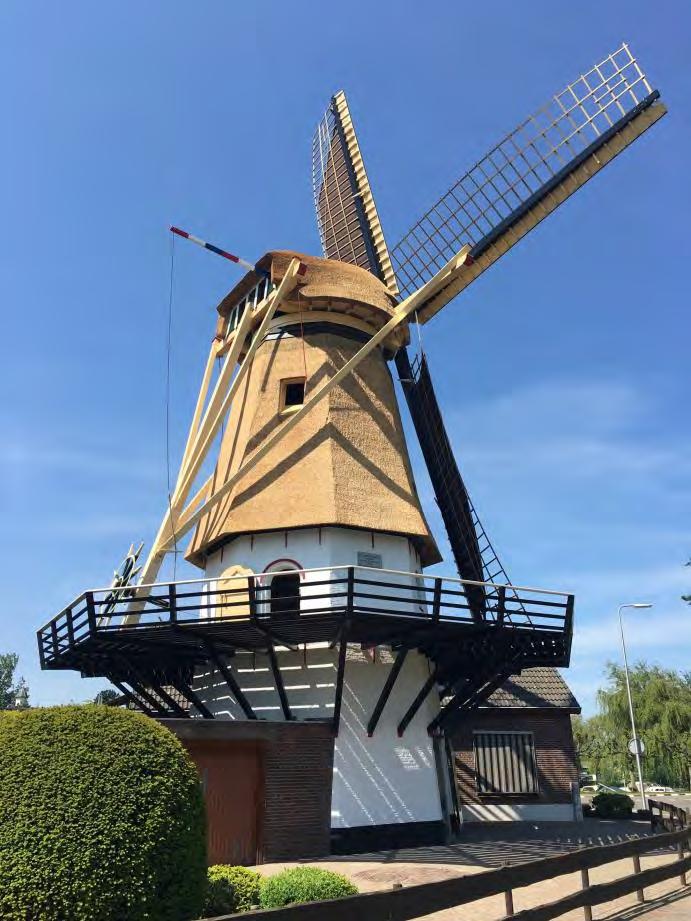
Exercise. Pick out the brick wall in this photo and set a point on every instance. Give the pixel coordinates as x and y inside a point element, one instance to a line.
<point>289,791</point>
<point>554,753</point>
<point>298,769</point>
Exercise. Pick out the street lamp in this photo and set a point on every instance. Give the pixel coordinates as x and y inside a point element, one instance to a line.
<point>636,742</point>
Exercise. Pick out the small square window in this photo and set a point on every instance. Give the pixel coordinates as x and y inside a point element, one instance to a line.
<point>292,393</point>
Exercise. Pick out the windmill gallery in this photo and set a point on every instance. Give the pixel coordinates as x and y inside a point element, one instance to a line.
<point>333,695</point>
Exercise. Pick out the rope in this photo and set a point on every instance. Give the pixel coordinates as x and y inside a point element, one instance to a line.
<point>167,399</point>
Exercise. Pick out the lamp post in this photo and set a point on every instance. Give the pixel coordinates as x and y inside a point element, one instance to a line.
<point>636,742</point>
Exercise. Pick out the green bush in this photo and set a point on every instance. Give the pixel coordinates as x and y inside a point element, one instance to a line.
<point>304,884</point>
<point>612,805</point>
<point>231,889</point>
<point>101,818</point>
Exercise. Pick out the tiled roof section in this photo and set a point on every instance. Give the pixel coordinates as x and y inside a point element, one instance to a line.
<point>535,688</point>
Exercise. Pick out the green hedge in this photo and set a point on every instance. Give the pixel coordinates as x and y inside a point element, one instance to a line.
<point>612,805</point>
<point>231,889</point>
<point>101,818</point>
<point>304,884</point>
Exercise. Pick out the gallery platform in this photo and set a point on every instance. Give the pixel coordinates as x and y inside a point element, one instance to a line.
<point>150,641</point>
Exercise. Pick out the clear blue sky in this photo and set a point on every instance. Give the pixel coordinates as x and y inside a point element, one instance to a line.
<point>563,371</point>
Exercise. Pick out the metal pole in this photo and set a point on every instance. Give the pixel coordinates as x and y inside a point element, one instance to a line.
<point>628,694</point>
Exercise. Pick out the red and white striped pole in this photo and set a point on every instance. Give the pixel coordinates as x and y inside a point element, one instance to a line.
<point>216,249</point>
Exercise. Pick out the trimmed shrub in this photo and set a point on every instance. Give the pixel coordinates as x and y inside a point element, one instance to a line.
<point>101,818</point>
<point>612,805</point>
<point>304,884</point>
<point>231,889</point>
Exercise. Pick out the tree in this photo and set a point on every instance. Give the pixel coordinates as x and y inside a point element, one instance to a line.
<point>9,688</point>
<point>662,707</point>
<point>106,696</point>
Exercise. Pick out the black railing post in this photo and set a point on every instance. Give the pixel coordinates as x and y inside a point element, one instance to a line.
<point>350,596</point>
<point>172,602</point>
<point>41,650</point>
<point>54,638</point>
<point>436,599</point>
<point>91,612</point>
<point>568,624</point>
<point>70,626</point>
<point>501,605</point>
<point>252,596</point>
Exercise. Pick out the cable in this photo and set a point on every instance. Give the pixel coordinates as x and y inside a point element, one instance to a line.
<point>167,414</point>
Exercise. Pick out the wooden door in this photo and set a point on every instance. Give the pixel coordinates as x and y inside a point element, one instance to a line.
<point>231,778</point>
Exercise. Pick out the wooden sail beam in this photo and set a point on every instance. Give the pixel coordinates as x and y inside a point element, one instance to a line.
<point>219,404</point>
<point>222,383</point>
<point>155,558</point>
<point>203,393</point>
<point>212,423</point>
<point>188,519</point>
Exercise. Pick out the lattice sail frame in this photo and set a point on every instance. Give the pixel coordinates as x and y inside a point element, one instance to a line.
<point>347,218</point>
<point>482,202</point>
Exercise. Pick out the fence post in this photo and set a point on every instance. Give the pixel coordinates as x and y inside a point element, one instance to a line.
<point>172,602</point>
<point>585,884</point>
<point>508,895</point>
<point>640,895</point>
<point>680,853</point>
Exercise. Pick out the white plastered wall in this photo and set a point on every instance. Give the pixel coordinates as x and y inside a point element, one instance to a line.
<point>521,812</point>
<point>384,779</point>
<point>313,548</point>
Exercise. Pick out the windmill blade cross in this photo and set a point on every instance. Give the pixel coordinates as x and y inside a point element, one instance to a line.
<point>529,173</point>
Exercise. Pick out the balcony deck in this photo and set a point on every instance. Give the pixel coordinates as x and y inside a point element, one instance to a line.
<point>154,637</point>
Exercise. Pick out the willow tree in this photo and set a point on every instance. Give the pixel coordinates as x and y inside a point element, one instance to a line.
<point>662,707</point>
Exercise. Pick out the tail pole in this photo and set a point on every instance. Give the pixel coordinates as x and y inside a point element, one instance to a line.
<point>218,250</point>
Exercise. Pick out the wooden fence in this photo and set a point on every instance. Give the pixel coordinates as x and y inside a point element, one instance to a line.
<point>405,903</point>
<point>670,816</point>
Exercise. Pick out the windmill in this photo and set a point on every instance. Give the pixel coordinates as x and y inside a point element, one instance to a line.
<point>309,530</point>
<point>493,205</point>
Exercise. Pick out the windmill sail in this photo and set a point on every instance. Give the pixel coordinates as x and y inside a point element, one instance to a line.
<point>472,549</point>
<point>347,217</point>
<point>350,231</point>
<point>528,174</point>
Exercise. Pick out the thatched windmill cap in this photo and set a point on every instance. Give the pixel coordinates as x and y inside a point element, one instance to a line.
<point>325,279</point>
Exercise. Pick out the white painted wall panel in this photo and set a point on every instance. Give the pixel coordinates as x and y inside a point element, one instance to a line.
<point>378,780</point>
<point>520,812</point>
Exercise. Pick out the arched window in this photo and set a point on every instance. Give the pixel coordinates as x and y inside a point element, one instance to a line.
<point>285,595</point>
